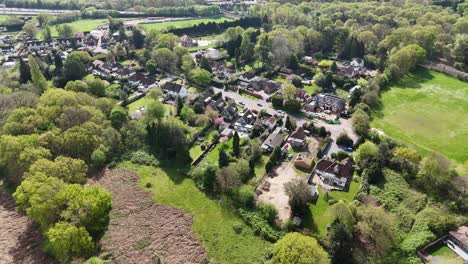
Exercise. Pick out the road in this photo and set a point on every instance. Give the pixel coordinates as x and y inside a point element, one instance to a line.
<point>335,130</point>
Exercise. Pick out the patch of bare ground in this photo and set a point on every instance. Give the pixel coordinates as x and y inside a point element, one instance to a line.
<point>20,241</point>
<point>141,231</point>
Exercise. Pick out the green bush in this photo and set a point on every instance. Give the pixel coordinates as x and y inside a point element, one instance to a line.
<point>267,211</point>
<point>237,227</point>
<point>260,225</point>
<point>143,158</point>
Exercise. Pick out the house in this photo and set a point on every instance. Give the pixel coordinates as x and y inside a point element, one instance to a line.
<point>268,86</point>
<point>332,173</point>
<point>186,41</point>
<point>269,122</point>
<point>244,124</point>
<point>298,138</point>
<point>230,113</point>
<point>213,54</point>
<point>218,105</point>
<point>304,161</point>
<point>357,62</point>
<point>275,139</point>
<point>327,102</point>
<point>300,94</point>
<point>457,240</point>
<point>246,78</point>
<point>174,90</point>
<point>95,64</point>
<point>309,60</point>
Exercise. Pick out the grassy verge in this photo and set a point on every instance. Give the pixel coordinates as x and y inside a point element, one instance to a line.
<point>318,216</point>
<point>211,222</point>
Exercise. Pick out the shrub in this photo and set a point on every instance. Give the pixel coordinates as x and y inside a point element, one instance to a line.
<point>260,225</point>
<point>344,140</point>
<point>237,227</point>
<point>244,196</point>
<point>267,211</point>
<point>143,158</point>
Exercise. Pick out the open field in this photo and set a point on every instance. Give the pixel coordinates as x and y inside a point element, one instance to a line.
<point>80,25</point>
<point>318,216</point>
<point>212,223</point>
<point>429,110</point>
<point>141,231</point>
<point>182,23</point>
<point>144,101</point>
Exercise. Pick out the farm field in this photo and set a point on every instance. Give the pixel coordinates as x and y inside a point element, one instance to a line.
<point>182,23</point>
<point>212,223</point>
<point>429,110</point>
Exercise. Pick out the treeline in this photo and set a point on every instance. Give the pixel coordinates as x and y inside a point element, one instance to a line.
<point>110,4</point>
<point>217,28</point>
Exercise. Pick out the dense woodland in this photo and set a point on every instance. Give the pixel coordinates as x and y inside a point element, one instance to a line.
<point>59,126</point>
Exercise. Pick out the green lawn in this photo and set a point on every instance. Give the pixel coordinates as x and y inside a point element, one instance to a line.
<point>429,110</point>
<point>144,101</point>
<point>446,254</point>
<point>80,25</point>
<point>183,23</point>
<point>213,156</point>
<point>212,223</point>
<point>318,216</point>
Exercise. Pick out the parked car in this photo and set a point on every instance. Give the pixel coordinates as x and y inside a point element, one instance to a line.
<point>260,105</point>
<point>241,103</point>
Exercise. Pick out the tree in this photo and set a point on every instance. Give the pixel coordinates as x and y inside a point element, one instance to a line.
<point>187,114</point>
<point>339,243</point>
<point>119,51</point>
<point>42,19</point>
<point>67,169</point>
<point>323,80</point>
<point>188,64</point>
<point>201,77</point>
<point>341,212</point>
<point>435,174</point>
<point>406,159</point>
<point>247,48</point>
<point>344,140</point>
<point>228,178</point>
<point>47,33</point>
<point>293,62</point>
<point>289,90</point>
<point>118,116</point>
<point>204,175</point>
<point>155,110</point>
<point>235,144</point>
<point>223,159</point>
<point>96,86</point>
<point>24,71</point>
<point>58,64</point>
<point>30,30</point>
<point>460,49</point>
<point>165,59</point>
<point>151,67</point>
<point>73,69</point>
<point>76,86</point>
<point>277,101</point>
<point>361,122</point>
<point>404,60</point>
<point>299,195</point>
<point>37,77</point>
<point>35,196</point>
<point>299,249</point>
<point>365,153</point>
<point>280,50</point>
<point>66,241</point>
<point>375,229</point>
<point>65,30</point>
<point>289,125</point>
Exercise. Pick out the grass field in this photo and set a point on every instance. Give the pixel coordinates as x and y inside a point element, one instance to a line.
<point>429,110</point>
<point>80,25</point>
<point>318,216</point>
<point>183,23</point>
<point>170,109</point>
<point>213,223</point>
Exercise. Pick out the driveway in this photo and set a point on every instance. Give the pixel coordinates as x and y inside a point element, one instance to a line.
<point>248,102</point>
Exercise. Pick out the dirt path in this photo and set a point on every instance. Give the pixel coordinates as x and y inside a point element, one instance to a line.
<point>141,231</point>
<point>20,242</point>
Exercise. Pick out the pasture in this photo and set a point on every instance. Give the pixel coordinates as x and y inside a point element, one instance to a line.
<point>429,110</point>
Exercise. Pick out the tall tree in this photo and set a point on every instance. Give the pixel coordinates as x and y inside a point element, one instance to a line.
<point>223,159</point>
<point>138,38</point>
<point>37,77</point>
<point>339,243</point>
<point>299,249</point>
<point>25,71</point>
<point>235,144</point>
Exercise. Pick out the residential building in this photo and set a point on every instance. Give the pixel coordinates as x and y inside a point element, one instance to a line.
<point>327,102</point>
<point>458,241</point>
<point>304,161</point>
<point>266,85</point>
<point>334,174</point>
<point>298,138</point>
<point>186,41</point>
<point>230,113</point>
<point>275,139</point>
<point>244,124</point>
<point>174,90</point>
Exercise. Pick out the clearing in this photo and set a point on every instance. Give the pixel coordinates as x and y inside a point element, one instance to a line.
<point>429,110</point>
<point>141,231</point>
<point>182,23</point>
<point>20,241</point>
<point>212,223</point>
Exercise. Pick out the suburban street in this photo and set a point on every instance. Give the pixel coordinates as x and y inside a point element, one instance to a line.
<point>335,130</point>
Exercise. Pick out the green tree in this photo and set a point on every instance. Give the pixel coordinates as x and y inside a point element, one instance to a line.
<point>30,30</point>
<point>341,212</point>
<point>47,33</point>
<point>460,50</point>
<point>188,64</point>
<point>37,77</point>
<point>289,90</point>
<point>299,195</point>
<point>165,59</point>
<point>66,241</point>
<point>223,159</point>
<point>96,86</point>
<point>151,67</point>
<point>299,249</point>
<point>76,86</point>
<point>65,30</point>
<point>118,116</point>
<point>201,77</point>
<point>42,19</point>
<point>435,174</point>
<point>24,71</point>
<point>361,122</point>
<point>73,69</point>
<point>67,169</point>
<point>236,144</point>
<point>339,243</point>
<point>138,38</point>
<point>365,153</point>
<point>228,178</point>
<point>205,175</point>
<point>155,110</point>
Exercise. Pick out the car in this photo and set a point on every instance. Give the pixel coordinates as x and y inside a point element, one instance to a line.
<point>260,105</point>
<point>348,149</point>
<point>241,103</point>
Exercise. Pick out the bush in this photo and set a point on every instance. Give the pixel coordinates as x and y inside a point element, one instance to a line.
<point>260,225</point>
<point>344,140</point>
<point>237,227</point>
<point>244,196</point>
<point>267,211</point>
<point>143,158</point>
